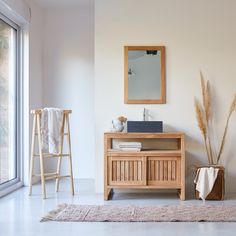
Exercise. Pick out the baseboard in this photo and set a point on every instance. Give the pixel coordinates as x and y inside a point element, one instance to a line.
<point>10,189</point>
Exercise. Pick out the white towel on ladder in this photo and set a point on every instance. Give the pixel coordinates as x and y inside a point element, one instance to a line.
<point>51,124</point>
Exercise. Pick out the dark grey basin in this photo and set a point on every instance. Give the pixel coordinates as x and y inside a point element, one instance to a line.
<point>145,126</point>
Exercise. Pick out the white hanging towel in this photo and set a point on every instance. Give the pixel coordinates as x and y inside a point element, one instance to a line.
<point>205,180</point>
<point>51,124</point>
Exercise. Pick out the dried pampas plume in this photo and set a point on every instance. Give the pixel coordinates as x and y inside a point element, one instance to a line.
<point>203,115</point>
<point>202,125</point>
<point>200,120</point>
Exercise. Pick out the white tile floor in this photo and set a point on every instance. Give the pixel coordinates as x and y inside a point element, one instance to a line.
<point>20,214</point>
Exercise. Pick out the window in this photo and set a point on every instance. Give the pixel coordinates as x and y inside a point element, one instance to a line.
<point>9,87</point>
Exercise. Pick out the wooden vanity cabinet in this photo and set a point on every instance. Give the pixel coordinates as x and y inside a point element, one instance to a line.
<point>160,167</point>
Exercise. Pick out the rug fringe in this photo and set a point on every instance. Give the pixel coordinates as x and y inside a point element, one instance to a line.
<point>52,214</point>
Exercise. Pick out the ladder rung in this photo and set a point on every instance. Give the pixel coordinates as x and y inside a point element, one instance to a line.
<point>50,177</point>
<point>47,174</point>
<point>39,111</point>
<point>52,155</point>
<point>56,177</point>
<point>62,133</point>
<point>63,176</point>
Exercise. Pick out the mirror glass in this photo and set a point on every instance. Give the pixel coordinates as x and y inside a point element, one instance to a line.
<point>144,74</point>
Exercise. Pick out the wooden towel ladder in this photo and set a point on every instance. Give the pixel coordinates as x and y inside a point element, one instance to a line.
<point>36,134</point>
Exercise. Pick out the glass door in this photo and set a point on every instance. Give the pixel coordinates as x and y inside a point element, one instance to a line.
<point>9,164</point>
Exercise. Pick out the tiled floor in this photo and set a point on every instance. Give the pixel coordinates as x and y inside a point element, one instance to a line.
<point>20,214</point>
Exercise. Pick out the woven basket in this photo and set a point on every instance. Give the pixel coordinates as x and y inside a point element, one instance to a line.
<point>218,190</point>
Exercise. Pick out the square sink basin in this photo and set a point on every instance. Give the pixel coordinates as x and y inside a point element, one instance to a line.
<point>145,126</point>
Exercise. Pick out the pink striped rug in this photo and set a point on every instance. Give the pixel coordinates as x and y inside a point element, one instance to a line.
<point>133,213</point>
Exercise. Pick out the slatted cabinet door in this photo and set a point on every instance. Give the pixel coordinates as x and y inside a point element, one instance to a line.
<point>164,171</point>
<point>127,170</point>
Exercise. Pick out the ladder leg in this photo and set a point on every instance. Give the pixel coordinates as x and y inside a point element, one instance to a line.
<point>60,152</point>
<point>41,158</point>
<point>32,155</point>
<point>70,157</point>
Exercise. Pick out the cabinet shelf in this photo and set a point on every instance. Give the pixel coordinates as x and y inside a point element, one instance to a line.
<point>159,165</point>
<point>115,152</point>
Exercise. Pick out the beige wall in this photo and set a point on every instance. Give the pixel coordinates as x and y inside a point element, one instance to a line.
<point>197,35</point>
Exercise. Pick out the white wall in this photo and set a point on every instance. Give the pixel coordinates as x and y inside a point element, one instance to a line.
<point>197,35</point>
<point>68,72</point>
<point>35,74</point>
<point>35,56</point>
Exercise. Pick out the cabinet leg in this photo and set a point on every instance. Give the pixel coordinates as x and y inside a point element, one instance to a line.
<point>182,194</point>
<point>107,193</point>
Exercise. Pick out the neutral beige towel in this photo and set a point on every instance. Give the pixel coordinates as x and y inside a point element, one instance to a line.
<point>205,180</point>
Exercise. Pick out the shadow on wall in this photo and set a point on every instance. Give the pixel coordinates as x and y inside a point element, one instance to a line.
<point>230,176</point>
<point>229,189</point>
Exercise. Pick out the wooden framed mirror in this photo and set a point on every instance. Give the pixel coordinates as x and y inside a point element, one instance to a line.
<point>144,73</point>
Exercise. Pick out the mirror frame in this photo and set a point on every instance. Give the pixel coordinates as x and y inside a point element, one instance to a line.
<point>162,99</point>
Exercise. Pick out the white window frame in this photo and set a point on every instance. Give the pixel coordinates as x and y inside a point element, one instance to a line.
<point>16,183</point>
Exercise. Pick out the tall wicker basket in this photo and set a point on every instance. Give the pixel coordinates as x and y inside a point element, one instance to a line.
<point>218,191</point>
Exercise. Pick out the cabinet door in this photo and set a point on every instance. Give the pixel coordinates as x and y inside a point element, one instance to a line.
<point>127,171</point>
<point>164,172</point>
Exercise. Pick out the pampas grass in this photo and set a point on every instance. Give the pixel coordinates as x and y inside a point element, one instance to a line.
<point>202,125</point>
<point>200,119</point>
<point>203,115</point>
<point>231,110</point>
